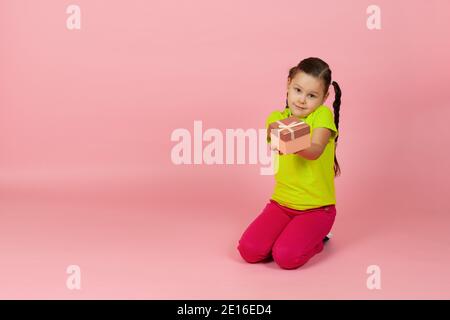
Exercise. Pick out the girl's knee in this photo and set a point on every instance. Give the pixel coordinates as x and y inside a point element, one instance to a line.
<point>252,253</point>
<point>288,258</point>
<point>290,262</point>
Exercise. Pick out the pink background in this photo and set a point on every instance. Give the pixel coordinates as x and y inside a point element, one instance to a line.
<point>85,171</point>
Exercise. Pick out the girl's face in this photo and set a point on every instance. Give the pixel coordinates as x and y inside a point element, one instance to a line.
<point>305,94</point>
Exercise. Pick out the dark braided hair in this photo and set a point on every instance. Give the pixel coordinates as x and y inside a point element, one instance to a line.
<point>318,68</point>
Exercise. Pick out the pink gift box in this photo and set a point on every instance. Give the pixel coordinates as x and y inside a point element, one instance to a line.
<point>290,135</point>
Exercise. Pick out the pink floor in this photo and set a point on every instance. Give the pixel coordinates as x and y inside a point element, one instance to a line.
<point>131,245</point>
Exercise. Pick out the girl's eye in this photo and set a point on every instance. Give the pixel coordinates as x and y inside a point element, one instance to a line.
<point>310,94</point>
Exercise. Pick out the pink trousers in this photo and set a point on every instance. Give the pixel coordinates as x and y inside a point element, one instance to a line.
<point>291,237</point>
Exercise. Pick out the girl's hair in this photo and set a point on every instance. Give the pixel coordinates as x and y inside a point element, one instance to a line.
<point>318,68</point>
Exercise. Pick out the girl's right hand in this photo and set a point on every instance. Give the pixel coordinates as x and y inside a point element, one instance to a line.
<point>275,149</point>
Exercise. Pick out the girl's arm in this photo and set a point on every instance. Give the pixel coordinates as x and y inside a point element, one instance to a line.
<point>319,140</point>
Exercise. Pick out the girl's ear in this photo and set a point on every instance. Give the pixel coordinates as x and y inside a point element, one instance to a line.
<point>289,80</point>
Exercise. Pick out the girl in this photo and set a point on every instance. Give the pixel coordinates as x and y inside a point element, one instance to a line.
<point>295,222</point>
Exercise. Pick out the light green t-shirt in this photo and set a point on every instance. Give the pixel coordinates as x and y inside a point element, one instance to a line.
<point>303,184</point>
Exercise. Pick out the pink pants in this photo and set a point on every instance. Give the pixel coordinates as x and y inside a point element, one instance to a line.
<point>291,236</point>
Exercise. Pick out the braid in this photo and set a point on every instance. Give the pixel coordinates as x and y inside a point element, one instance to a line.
<point>336,107</point>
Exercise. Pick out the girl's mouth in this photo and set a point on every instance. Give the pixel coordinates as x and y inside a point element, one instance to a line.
<point>300,108</point>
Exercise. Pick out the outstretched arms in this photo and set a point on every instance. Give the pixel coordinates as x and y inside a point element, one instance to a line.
<point>319,140</point>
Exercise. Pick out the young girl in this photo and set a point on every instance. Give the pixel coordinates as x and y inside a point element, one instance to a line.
<point>295,222</point>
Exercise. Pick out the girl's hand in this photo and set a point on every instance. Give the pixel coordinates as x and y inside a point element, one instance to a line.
<point>275,149</point>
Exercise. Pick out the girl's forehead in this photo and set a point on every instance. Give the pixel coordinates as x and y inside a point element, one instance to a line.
<point>307,81</point>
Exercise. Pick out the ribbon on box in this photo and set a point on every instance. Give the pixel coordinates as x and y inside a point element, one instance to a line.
<point>289,126</point>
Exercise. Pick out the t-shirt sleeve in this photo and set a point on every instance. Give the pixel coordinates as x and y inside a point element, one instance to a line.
<point>325,119</point>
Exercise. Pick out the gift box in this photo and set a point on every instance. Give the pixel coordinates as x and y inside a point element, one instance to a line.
<point>290,135</point>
